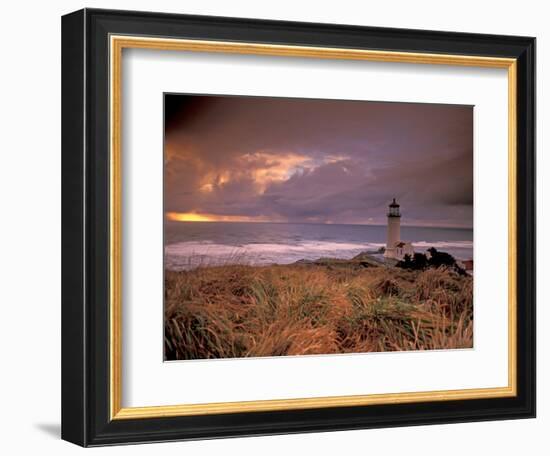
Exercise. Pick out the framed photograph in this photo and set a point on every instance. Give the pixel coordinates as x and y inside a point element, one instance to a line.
<point>278,227</point>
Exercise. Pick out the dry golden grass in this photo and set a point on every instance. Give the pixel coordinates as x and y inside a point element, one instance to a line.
<point>242,311</point>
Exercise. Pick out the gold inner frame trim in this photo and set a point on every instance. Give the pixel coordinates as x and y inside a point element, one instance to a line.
<point>117,44</point>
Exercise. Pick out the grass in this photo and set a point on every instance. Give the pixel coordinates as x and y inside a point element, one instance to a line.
<point>235,311</point>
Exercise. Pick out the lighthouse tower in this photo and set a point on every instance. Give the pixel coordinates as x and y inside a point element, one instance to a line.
<point>394,231</point>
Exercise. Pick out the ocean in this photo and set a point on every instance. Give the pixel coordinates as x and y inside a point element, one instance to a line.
<point>192,244</point>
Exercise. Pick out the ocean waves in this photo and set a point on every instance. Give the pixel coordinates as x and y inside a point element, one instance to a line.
<point>191,254</point>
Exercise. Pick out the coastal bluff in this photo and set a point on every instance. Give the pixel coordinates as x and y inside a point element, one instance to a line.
<point>367,259</point>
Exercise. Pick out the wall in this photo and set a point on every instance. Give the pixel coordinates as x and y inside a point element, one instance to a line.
<point>30,228</point>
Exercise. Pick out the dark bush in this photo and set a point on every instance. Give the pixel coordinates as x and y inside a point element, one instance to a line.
<point>406,262</point>
<point>438,259</point>
<point>418,262</point>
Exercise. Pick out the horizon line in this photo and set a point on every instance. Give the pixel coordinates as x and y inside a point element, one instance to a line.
<point>460,227</point>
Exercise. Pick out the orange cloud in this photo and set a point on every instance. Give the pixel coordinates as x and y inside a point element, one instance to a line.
<point>273,167</point>
<point>263,167</point>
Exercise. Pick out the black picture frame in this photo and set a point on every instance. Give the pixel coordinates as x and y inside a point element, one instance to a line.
<point>85,228</point>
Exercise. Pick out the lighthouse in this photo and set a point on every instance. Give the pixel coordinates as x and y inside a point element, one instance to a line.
<point>394,230</point>
<point>395,247</point>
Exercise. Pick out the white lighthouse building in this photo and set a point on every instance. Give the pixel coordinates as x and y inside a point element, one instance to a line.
<point>395,247</point>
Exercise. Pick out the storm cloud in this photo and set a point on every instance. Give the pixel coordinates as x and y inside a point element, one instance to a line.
<point>319,161</point>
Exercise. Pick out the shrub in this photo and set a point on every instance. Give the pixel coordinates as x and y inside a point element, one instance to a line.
<point>418,262</point>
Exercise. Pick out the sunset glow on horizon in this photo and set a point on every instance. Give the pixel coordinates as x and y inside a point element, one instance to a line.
<point>195,217</point>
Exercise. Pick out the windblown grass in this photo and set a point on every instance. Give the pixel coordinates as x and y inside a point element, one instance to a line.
<point>243,311</point>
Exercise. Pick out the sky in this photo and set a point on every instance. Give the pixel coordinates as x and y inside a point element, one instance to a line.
<point>263,159</point>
